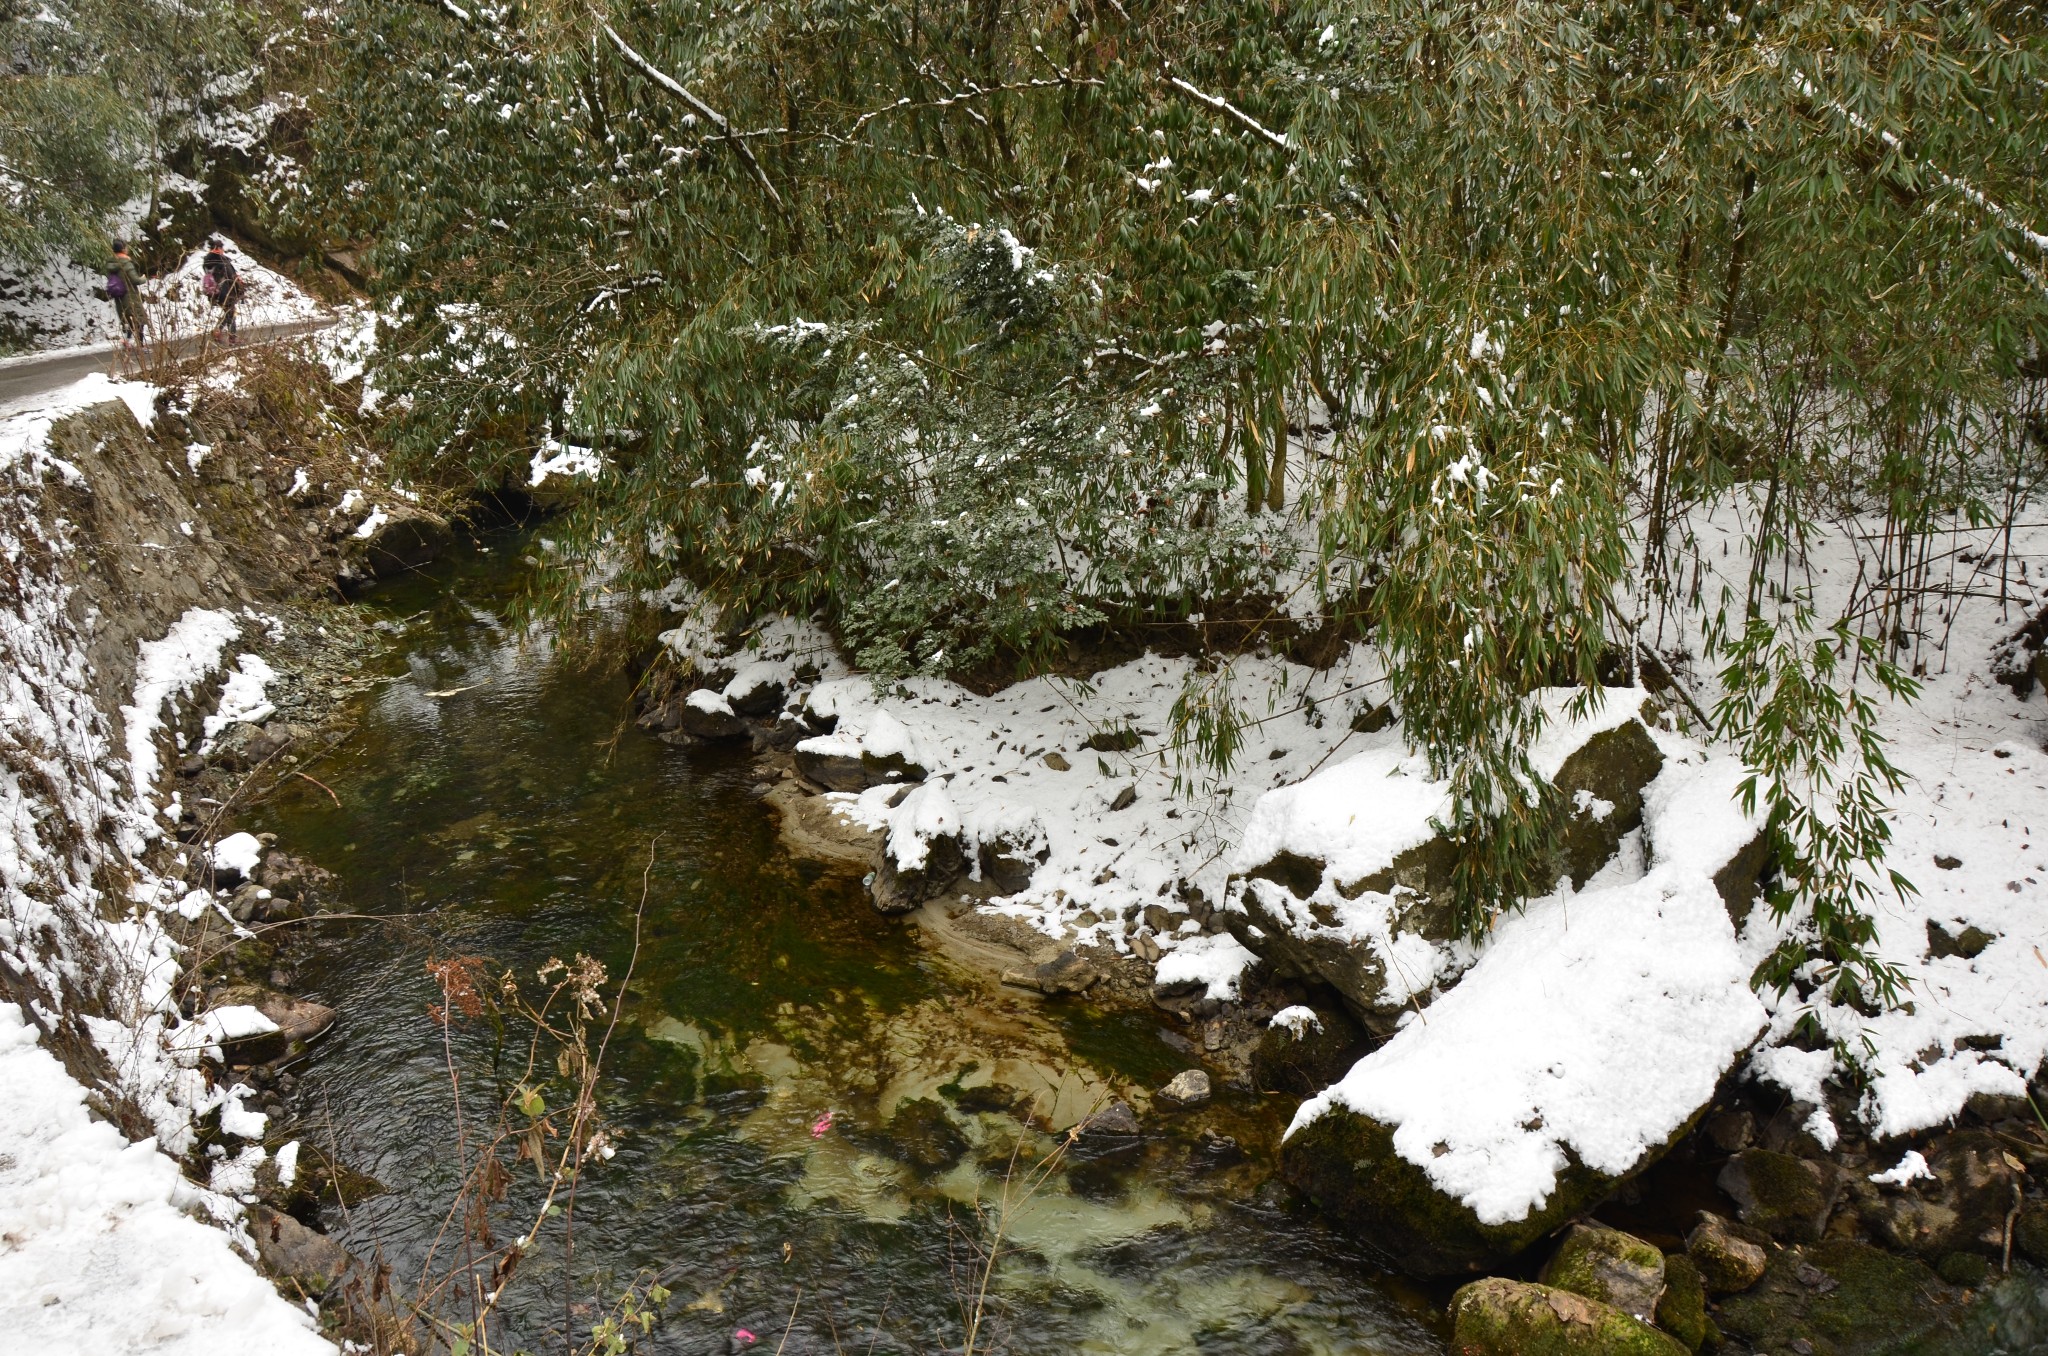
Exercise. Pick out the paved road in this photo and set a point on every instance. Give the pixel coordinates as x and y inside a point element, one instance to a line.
<point>33,374</point>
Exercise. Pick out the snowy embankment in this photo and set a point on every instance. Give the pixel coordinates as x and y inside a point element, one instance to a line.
<point>102,1245</point>
<point>1588,1027</point>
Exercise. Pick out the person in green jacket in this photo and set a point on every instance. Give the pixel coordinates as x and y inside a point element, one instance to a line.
<point>124,287</point>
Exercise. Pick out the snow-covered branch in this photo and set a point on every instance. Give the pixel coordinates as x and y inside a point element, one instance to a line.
<point>1227,108</point>
<point>701,109</point>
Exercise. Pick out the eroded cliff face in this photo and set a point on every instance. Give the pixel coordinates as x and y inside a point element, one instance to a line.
<point>156,541</point>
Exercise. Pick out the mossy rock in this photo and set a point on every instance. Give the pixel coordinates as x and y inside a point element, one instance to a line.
<point>1608,1265</point>
<point>1347,1164</point>
<point>2030,1233</point>
<point>1307,1063</point>
<point>1614,766</point>
<point>1682,1311</point>
<point>1842,1298</point>
<point>1500,1317</point>
<point>1788,1198</point>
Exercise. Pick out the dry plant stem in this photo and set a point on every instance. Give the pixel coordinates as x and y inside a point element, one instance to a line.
<point>789,1322</point>
<point>604,1044</point>
<point>1009,1203</point>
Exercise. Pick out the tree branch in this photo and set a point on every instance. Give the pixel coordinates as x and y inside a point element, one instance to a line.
<point>1225,107</point>
<point>701,109</point>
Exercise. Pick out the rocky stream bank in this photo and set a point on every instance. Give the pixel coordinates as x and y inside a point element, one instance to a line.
<point>1743,1219</point>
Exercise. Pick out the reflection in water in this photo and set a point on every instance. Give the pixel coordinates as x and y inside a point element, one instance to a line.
<point>503,797</point>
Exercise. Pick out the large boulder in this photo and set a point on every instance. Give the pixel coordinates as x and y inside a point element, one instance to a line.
<point>886,754</point>
<point>291,1252</point>
<point>1348,1164</point>
<point>394,539</point>
<point>1608,1265</point>
<point>923,854</point>
<point>1362,901</point>
<point>1500,1317</point>
<point>1521,1098</point>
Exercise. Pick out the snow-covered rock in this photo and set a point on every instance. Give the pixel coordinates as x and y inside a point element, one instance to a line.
<point>1589,1034</point>
<point>1343,877</point>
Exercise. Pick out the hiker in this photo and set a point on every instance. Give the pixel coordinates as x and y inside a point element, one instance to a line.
<point>124,289</point>
<point>223,286</point>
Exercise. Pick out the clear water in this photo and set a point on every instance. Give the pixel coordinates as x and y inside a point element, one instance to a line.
<point>511,817</point>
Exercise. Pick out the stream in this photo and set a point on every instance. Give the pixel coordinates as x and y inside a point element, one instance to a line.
<point>497,801</point>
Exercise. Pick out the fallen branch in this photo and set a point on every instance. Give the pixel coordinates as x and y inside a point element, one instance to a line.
<point>322,785</point>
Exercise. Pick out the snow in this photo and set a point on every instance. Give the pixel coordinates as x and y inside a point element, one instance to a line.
<point>709,702</point>
<point>167,671</point>
<point>1592,1026</point>
<point>101,1254</point>
<point>238,1120</point>
<point>105,1245</point>
<point>1354,817</point>
<point>1215,962</point>
<point>1298,1021</point>
<point>926,813</point>
<point>368,527</point>
<point>1911,1168</point>
<point>237,854</point>
<point>242,698</point>
<point>561,459</point>
<point>752,677</point>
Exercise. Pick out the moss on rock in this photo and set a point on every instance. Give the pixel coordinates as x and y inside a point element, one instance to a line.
<point>1347,1164</point>
<point>1500,1317</point>
<point>1607,1265</point>
<point>1841,1297</point>
<point>1682,1311</point>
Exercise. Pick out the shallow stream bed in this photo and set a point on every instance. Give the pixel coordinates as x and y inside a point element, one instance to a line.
<point>497,801</point>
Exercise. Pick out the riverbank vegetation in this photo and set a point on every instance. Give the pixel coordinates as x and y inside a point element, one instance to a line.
<point>974,330</point>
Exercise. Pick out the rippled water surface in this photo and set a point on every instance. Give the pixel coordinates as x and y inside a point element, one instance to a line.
<point>504,802</point>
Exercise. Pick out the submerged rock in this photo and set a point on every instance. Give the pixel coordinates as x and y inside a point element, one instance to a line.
<point>1500,1317</point>
<point>924,1136</point>
<point>1608,1265</point>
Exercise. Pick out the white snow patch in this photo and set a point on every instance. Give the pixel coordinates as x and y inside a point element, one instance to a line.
<point>168,670</point>
<point>101,1253</point>
<point>1298,1021</point>
<point>1215,962</point>
<point>237,854</point>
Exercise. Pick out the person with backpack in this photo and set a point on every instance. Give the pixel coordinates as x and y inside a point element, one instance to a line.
<point>223,286</point>
<point>124,289</point>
